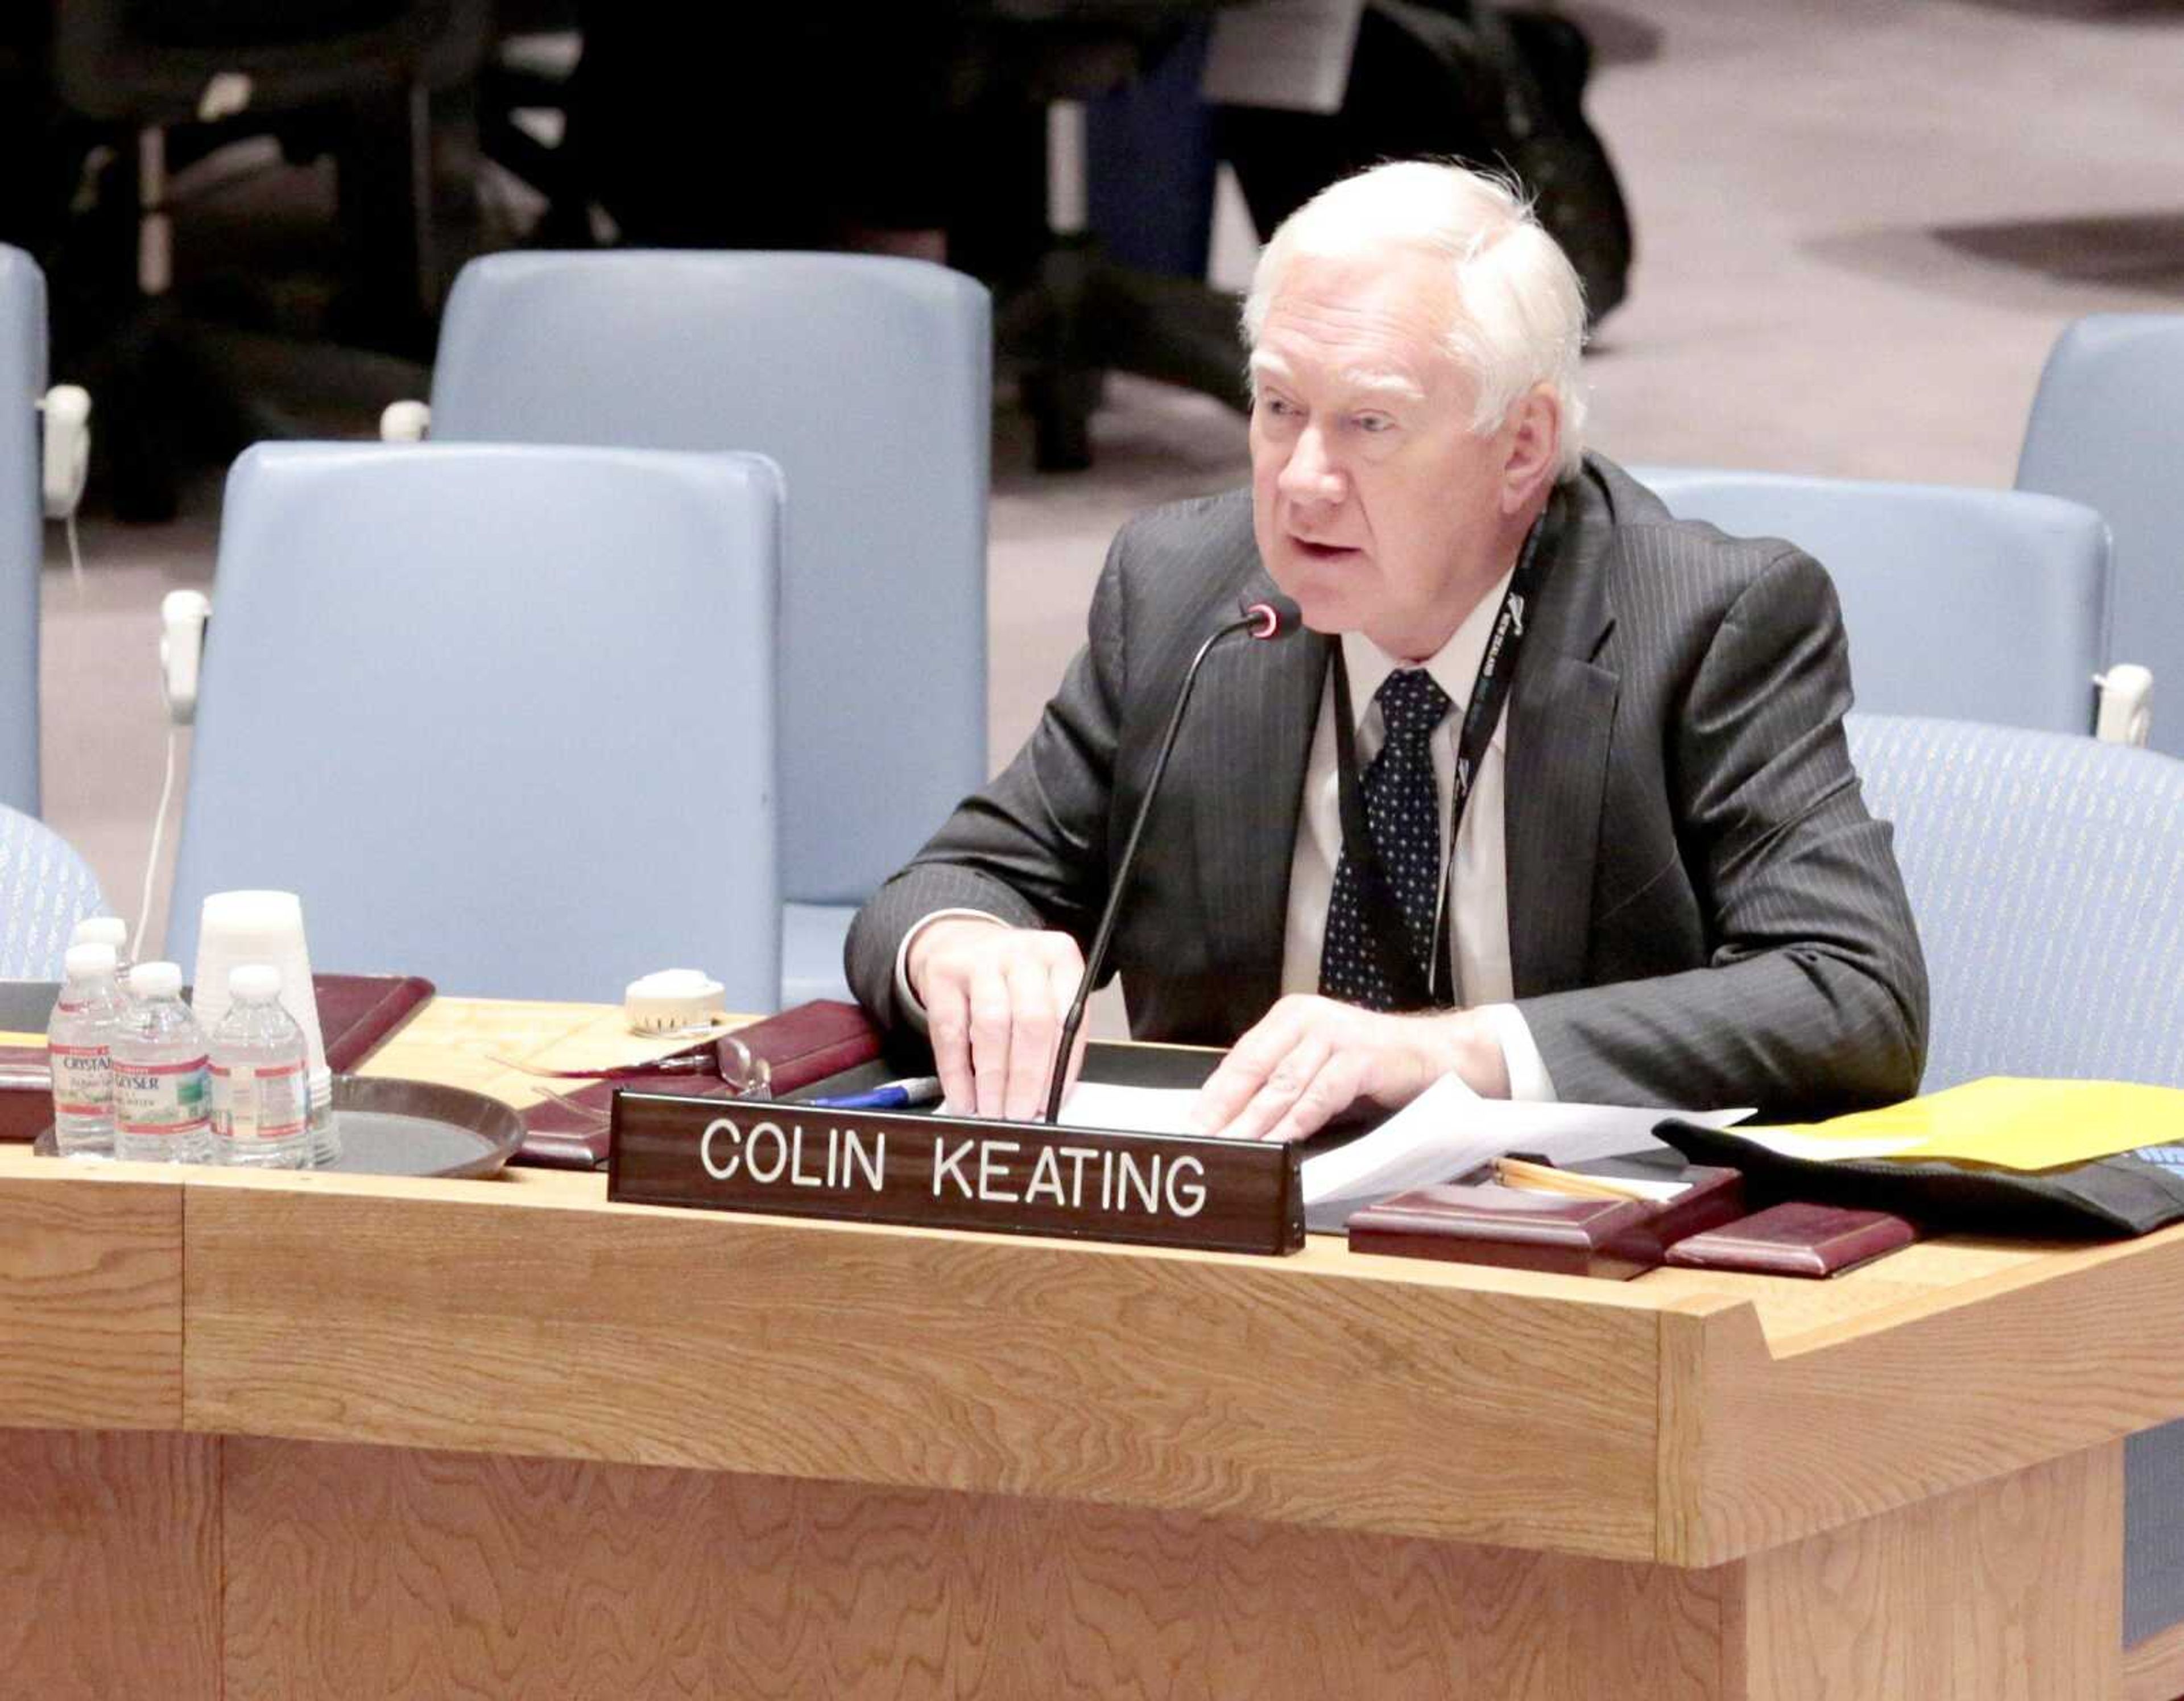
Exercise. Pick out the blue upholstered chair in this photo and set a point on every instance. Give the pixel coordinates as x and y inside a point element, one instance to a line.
<point>1976,605</point>
<point>2108,429</point>
<point>2046,872</point>
<point>503,716</point>
<point>45,889</point>
<point>22,383</point>
<point>869,380</point>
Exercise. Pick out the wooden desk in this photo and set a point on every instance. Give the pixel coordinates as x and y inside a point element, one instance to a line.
<point>323,1435</point>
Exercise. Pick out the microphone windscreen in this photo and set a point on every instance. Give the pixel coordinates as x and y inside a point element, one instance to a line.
<point>1278,616</point>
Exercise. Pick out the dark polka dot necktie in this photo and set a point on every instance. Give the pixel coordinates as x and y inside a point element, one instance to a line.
<point>1402,812</point>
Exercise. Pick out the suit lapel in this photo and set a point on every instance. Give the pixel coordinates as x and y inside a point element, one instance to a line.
<point>1260,705</point>
<point>1562,717</point>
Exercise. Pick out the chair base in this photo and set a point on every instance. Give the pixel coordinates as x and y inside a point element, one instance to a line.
<point>1085,315</point>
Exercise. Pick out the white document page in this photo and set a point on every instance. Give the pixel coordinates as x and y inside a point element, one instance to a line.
<point>1293,55</point>
<point>1129,1110</point>
<point>1448,1129</point>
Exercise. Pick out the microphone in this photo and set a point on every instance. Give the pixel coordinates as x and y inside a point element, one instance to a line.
<point>1263,617</point>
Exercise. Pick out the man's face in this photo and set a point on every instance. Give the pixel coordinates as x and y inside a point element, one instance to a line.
<point>1373,502</point>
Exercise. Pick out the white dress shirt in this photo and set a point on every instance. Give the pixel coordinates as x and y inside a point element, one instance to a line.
<point>1479,920</point>
<point>1479,929</point>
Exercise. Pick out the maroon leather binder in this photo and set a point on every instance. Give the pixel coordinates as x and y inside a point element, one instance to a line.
<point>1487,1224</point>
<point>1519,1229</point>
<point>358,1013</point>
<point>25,1111</point>
<point>1795,1240</point>
<point>800,1046</point>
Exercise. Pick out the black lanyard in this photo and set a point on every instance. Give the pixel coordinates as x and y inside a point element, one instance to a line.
<point>1497,670</point>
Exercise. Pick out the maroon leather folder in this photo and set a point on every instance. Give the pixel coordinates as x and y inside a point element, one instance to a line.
<point>358,1013</point>
<point>800,1046</point>
<point>1795,1240</point>
<point>1485,1223</point>
<point>25,1111</point>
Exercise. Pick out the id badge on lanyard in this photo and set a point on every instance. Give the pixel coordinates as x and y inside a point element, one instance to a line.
<point>1426,988</point>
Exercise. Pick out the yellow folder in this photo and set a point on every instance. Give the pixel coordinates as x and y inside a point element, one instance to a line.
<point>2009,1121</point>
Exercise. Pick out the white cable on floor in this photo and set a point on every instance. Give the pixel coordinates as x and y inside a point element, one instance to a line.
<point>75,553</point>
<point>152,862</point>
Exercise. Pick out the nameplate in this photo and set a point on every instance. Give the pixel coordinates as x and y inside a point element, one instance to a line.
<point>785,1159</point>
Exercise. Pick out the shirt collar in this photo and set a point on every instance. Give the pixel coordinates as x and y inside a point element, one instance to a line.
<point>1454,666</point>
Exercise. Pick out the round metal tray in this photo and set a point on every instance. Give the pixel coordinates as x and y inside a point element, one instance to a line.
<point>412,1128</point>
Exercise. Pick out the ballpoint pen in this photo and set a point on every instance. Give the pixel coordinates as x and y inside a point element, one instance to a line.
<point>917,1089</point>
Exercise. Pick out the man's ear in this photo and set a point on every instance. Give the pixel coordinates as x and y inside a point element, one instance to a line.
<point>1534,433</point>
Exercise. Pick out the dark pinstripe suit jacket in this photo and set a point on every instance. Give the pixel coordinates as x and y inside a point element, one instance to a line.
<point>1701,911</point>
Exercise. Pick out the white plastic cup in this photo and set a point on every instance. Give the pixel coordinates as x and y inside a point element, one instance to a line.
<point>236,928</point>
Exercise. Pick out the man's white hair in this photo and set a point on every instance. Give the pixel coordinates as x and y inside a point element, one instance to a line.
<point>1520,317</point>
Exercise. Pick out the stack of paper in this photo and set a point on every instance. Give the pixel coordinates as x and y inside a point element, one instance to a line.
<point>1448,1130</point>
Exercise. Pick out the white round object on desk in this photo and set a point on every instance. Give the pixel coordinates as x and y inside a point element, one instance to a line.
<point>673,998</point>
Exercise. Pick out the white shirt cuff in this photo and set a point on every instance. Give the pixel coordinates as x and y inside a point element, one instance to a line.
<point>907,1000</point>
<point>1530,1082</point>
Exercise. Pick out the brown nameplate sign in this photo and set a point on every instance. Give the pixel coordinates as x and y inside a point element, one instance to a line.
<point>786,1159</point>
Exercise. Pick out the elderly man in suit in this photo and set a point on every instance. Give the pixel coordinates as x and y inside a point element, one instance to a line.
<point>1553,794</point>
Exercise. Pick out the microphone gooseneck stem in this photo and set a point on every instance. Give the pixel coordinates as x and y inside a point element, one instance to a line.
<point>1096,958</point>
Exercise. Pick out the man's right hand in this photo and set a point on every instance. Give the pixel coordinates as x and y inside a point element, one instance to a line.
<point>994,997</point>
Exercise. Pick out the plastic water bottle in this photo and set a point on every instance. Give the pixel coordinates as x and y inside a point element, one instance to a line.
<point>261,1090</point>
<point>160,1075</point>
<point>105,930</point>
<point>77,1044</point>
<point>326,1126</point>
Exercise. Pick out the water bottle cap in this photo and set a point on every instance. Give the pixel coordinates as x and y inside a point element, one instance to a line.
<point>156,980</point>
<point>101,930</point>
<point>85,960</point>
<point>254,980</point>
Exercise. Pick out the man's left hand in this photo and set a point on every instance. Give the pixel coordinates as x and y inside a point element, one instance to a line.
<point>1310,1059</point>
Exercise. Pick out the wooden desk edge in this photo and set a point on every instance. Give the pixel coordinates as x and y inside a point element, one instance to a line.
<point>91,1327</point>
<point>1726,1398</point>
<point>1759,1444</point>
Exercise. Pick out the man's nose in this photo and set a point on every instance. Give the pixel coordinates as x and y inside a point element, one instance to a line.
<point>1310,474</point>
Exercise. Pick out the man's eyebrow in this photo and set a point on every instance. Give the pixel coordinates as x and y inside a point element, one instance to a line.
<point>1395,385</point>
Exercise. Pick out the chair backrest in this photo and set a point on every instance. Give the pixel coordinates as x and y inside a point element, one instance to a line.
<point>1975,604</point>
<point>869,380</point>
<point>45,889</point>
<point>503,715</point>
<point>22,383</point>
<point>2047,873</point>
<point>2108,429</point>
